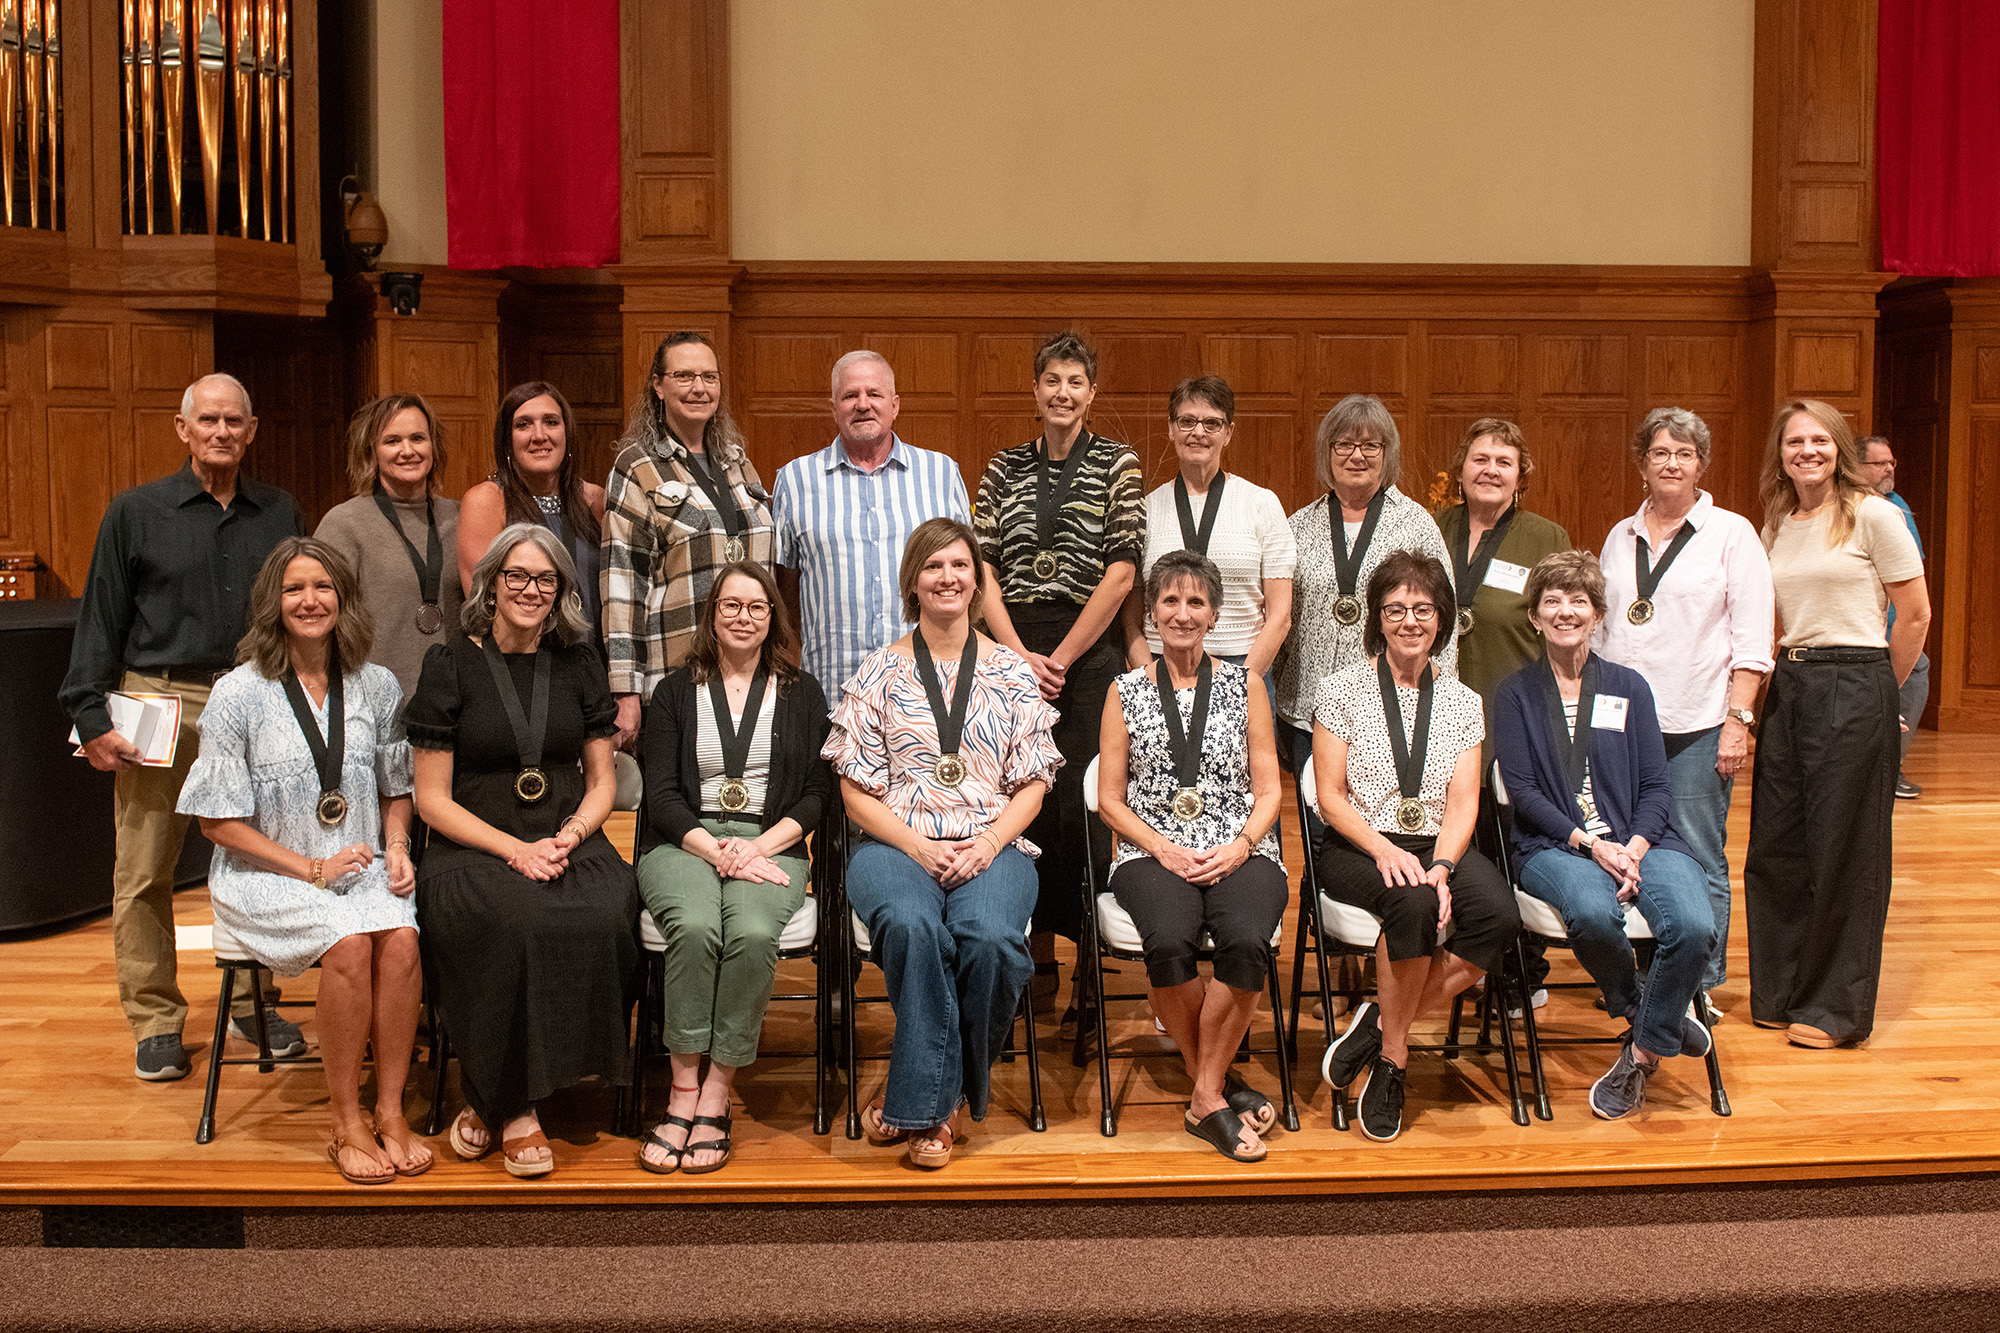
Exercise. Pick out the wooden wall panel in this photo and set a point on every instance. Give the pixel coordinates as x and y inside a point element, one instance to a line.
<point>674,69</point>
<point>1813,150</point>
<point>296,371</point>
<point>1982,641</point>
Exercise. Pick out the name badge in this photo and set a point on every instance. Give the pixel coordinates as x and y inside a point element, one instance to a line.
<point>1508,578</point>
<point>1608,712</point>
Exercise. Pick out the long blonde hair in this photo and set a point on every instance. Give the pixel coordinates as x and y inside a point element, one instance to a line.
<point>1775,486</point>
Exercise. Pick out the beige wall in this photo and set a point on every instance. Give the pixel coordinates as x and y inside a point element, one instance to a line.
<point>1388,131</point>
<point>406,112</point>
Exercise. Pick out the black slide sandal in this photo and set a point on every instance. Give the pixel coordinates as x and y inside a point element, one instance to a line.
<point>1222,1129</point>
<point>721,1145</point>
<point>653,1138</point>
<point>1259,1111</point>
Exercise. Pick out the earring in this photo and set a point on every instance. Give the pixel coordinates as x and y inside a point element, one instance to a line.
<point>491,603</point>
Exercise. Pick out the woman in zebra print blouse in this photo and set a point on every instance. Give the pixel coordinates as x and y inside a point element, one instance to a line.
<point>943,745</point>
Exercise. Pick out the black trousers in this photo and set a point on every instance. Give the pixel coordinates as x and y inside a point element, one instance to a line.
<point>1816,877</point>
<point>1484,917</point>
<point>1059,829</point>
<point>1238,912</point>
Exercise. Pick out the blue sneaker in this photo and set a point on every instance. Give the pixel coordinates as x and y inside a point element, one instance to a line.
<point>1622,1090</point>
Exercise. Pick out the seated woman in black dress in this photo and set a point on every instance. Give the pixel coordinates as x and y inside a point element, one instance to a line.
<point>526,910</point>
<point>1396,768</point>
<point>1193,799</point>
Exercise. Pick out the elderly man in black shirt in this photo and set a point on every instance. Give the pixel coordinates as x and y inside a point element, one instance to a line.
<point>165,603</point>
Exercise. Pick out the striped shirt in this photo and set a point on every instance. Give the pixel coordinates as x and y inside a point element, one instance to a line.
<point>708,752</point>
<point>843,530</point>
<point>1102,520</point>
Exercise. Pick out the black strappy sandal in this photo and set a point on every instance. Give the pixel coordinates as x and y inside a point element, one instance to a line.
<point>655,1140</point>
<point>1257,1110</point>
<point>1222,1129</point>
<point>721,1145</point>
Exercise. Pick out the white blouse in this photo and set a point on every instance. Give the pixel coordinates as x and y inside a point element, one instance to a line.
<point>1251,542</point>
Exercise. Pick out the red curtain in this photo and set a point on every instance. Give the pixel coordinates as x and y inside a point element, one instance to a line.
<point>1938,128</point>
<point>531,132</point>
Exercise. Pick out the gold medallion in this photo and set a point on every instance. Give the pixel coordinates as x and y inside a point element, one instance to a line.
<point>1046,564</point>
<point>733,549</point>
<point>1187,804</point>
<point>430,619</point>
<point>1640,612</point>
<point>733,795</point>
<point>531,785</point>
<point>949,770</point>
<point>1410,815</point>
<point>1464,620</point>
<point>1347,609</point>
<point>332,808</point>
<point>1588,806</point>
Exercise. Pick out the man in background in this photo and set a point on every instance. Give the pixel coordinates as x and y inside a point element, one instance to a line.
<point>1878,463</point>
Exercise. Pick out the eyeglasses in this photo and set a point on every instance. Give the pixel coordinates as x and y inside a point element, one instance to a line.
<point>730,608</point>
<point>687,379</point>
<point>1366,448</point>
<point>1200,425</point>
<point>1662,457</point>
<point>1423,613</point>
<point>519,579</point>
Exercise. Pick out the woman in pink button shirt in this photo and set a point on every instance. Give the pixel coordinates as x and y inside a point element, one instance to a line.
<point>1692,614</point>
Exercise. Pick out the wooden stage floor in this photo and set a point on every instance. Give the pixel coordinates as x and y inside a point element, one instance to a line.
<point>1922,1097</point>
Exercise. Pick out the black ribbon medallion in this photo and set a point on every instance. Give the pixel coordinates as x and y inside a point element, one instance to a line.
<point>1573,743</point>
<point>1469,572</point>
<point>1641,610</point>
<point>1409,754</point>
<point>950,768</point>
<point>429,565</point>
<point>1184,747</point>
<point>1196,538</point>
<point>531,784</point>
<point>734,794</point>
<point>1347,564</point>
<point>723,496</point>
<point>330,752</point>
<point>1050,497</point>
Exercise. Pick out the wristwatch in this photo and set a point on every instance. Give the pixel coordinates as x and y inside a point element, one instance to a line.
<point>1743,715</point>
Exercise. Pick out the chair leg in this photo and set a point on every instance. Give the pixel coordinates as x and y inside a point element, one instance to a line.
<point>1037,1119</point>
<point>1718,1096</point>
<point>1543,1110</point>
<point>1500,991</point>
<point>1451,1030</point>
<point>850,965</point>
<point>822,1039</point>
<point>205,1130</point>
<point>1289,1100</point>
<point>441,1055</point>
<point>264,1063</point>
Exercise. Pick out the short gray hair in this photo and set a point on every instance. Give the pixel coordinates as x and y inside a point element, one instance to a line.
<point>187,395</point>
<point>1679,424</point>
<point>1180,566</point>
<point>856,358</point>
<point>1364,410</point>
<point>476,617</point>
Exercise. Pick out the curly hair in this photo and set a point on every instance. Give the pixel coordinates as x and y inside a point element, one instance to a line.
<point>268,645</point>
<point>647,425</point>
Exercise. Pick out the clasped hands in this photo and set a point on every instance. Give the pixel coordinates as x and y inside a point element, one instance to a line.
<point>544,859</point>
<point>1049,675</point>
<point>348,860</point>
<point>1621,862</point>
<point>1204,865</point>
<point>1401,867</point>
<point>741,858</point>
<point>954,863</point>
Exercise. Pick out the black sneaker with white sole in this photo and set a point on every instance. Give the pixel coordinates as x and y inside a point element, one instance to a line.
<point>161,1059</point>
<point>1355,1048</point>
<point>1622,1089</point>
<point>1382,1102</point>
<point>1695,1038</point>
<point>286,1039</point>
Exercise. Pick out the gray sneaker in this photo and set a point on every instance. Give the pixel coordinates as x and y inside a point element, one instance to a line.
<point>1622,1090</point>
<point>286,1039</point>
<point>161,1059</point>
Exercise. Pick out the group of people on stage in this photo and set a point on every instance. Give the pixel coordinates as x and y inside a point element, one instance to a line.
<point>388,745</point>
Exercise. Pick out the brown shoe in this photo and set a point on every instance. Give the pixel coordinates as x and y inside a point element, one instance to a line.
<point>1804,1034</point>
<point>1777,1023</point>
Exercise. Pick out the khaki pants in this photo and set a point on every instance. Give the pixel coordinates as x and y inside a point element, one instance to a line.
<point>149,837</point>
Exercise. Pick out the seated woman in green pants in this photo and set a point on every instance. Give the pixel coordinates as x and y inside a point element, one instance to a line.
<point>733,783</point>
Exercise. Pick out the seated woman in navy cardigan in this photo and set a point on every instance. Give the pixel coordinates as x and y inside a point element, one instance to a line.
<point>734,782</point>
<point>1586,769</point>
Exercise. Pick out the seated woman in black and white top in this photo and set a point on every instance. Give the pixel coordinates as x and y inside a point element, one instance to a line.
<point>1396,767</point>
<point>1192,796</point>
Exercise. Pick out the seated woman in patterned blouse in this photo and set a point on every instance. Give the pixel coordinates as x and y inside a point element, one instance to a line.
<point>1193,797</point>
<point>303,785</point>
<point>943,745</point>
<point>1396,770</point>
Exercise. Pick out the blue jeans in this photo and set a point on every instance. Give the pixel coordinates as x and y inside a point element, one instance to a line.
<point>955,964</point>
<point>1674,901</point>
<point>1701,817</point>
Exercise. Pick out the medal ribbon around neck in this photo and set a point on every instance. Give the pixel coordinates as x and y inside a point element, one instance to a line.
<point>1411,754</point>
<point>1469,574</point>
<point>328,753</point>
<point>1649,579</point>
<point>950,724</point>
<point>735,793</point>
<point>429,565</point>
<point>531,729</point>
<point>1193,538</point>
<point>720,494</point>
<point>1347,564</point>
<point>1050,497</point>
<point>1573,744</point>
<point>1184,748</point>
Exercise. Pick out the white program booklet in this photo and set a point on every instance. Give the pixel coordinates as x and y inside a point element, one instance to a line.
<point>152,722</point>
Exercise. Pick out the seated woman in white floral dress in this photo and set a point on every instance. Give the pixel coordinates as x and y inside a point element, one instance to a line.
<point>303,785</point>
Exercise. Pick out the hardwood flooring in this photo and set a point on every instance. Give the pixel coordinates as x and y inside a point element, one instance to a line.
<point>1923,1096</point>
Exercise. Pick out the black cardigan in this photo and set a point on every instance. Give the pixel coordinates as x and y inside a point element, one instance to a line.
<point>800,783</point>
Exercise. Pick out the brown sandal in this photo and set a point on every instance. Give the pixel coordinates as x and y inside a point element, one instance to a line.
<point>880,1133</point>
<point>333,1151</point>
<point>521,1143</point>
<point>462,1146</point>
<point>934,1148</point>
<point>409,1134</point>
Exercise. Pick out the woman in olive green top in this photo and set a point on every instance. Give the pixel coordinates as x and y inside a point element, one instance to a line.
<point>1494,542</point>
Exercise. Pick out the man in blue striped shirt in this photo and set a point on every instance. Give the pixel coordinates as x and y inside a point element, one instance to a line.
<point>842,516</point>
